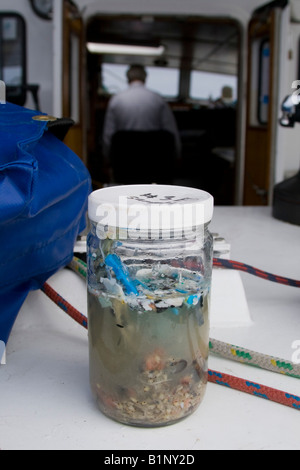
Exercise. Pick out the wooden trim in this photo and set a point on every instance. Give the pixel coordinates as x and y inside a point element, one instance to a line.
<point>258,152</point>
<point>73,24</point>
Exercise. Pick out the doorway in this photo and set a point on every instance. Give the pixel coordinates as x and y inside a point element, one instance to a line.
<point>200,58</point>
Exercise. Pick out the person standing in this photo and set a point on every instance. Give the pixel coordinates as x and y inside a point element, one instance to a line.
<point>138,108</point>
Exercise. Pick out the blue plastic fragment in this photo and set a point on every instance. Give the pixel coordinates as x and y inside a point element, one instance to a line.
<point>121,273</point>
<point>181,291</point>
<point>191,299</point>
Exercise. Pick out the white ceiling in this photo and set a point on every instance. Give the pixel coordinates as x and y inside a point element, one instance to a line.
<point>212,47</point>
<point>240,9</point>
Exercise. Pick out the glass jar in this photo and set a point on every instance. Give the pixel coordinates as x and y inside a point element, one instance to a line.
<point>149,278</point>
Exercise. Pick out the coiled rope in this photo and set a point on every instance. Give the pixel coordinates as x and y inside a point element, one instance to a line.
<point>219,348</point>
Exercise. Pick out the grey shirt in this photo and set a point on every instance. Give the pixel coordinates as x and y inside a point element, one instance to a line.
<point>138,108</point>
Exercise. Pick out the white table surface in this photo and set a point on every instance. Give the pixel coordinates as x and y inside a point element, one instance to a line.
<point>45,398</point>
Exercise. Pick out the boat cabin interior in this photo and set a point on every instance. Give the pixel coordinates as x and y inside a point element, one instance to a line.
<point>199,58</point>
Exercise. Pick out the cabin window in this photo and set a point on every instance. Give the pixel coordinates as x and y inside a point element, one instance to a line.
<point>164,81</point>
<point>264,78</point>
<point>259,81</point>
<point>13,57</point>
<point>208,86</point>
<point>74,75</point>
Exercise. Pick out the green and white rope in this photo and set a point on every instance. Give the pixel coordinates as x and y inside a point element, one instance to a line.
<point>253,358</point>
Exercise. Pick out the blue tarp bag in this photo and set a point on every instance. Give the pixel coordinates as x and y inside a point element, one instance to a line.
<point>44,189</point>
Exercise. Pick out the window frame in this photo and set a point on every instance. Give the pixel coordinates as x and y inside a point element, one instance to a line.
<point>16,93</point>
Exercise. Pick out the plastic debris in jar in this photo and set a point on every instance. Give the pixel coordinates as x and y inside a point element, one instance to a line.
<point>149,278</point>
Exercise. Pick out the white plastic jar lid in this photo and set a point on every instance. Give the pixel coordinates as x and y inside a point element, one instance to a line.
<point>150,207</point>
